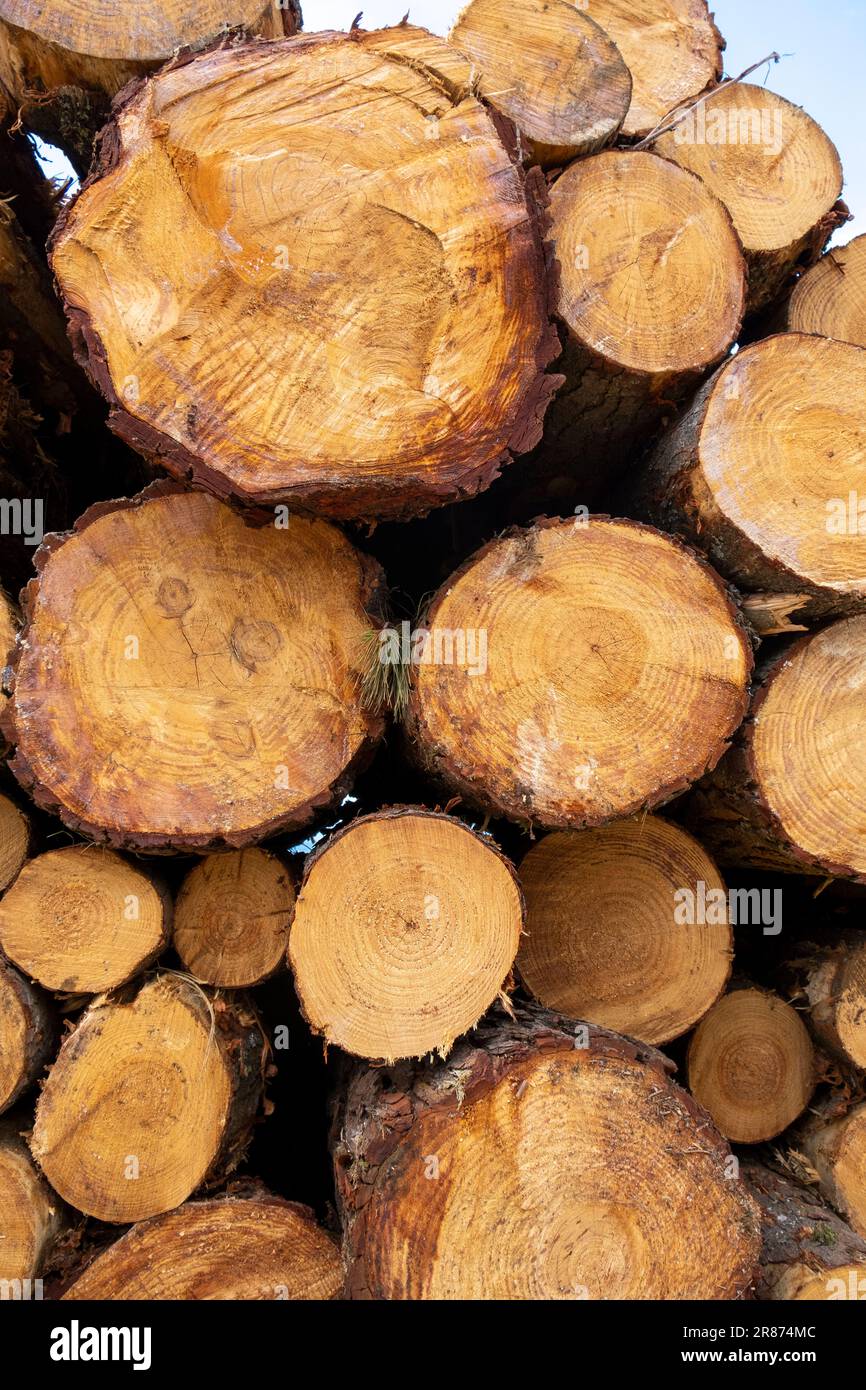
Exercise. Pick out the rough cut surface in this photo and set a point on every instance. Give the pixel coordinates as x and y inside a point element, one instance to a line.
<point>311,271</point>
<point>541,1160</point>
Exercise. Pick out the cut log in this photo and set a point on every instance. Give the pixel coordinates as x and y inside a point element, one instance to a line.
<point>835,1147</point>
<point>576,620</point>
<point>774,169</point>
<point>232,918</point>
<point>27,1034</point>
<point>14,840</point>
<point>31,1216</point>
<point>405,931</point>
<point>672,48</point>
<point>82,919</point>
<point>61,65</point>
<point>187,679</point>
<point>828,982</point>
<point>830,299</point>
<point>617,931</point>
<point>791,794</point>
<point>809,1254</point>
<point>751,1065</point>
<point>738,475</point>
<point>153,1094</point>
<point>651,290</point>
<point>520,1127</point>
<point>551,70</point>
<point>229,1248</point>
<point>362,332</point>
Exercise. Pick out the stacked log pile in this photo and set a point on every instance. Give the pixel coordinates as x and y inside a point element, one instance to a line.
<point>433,675</point>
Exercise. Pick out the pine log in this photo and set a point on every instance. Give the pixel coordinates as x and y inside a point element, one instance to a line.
<point>791,795</point>
<point>579,619</point>
<point>827,981</point>
<point>809,1254</point>
<point>228,1248</point>
<point>153,1094</point>
<point>751,1065</point>
<point>82,920</point>
<point>551,70</point>
<point>353,319</point>
<point>614,931</point>
<point>672,49</point>
<point>405,931</point>
<point>830,299</point>
<point>14,840</point>
<point>31,1216</point>
<point>232,918</point>
<point>27,1034</point>
<point>650,292</point>
<point>775,170</point>
<point>587,1172</point>
<point>60,65</point>
<point>835,1147</point>
<point>186,679</point>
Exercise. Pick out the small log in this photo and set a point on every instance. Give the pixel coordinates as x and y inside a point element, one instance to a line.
<point>835,1146</point>
<point>28,1032</point>
<point>775,170</point>
<point>82,920</point>
<point>186,679</point>
<point>551,70</point>
<point>733,478</point>
<point>153,1094</point>
<point>405,931</point>
<point>830,299</point>
<point>588,1172</point>
<point>751,1065</point>
<point>809,1254</point>
<point>558,622</point>
<point>827,980</point>
<point>614,933</point>
<point>14,837</point>
<point>232,918</point>
<point>227,1248</point>
<point>31,1216</point>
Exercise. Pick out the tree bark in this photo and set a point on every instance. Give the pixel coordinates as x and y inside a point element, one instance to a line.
<point>369,338</point>
<point>774,169</point>
<point>31,1215</point>
<point>152,1095</point>
<point>589,1174</point>
<point>227,1248</point>
<point>171,640</point>
<point>232,918</point>
<point>405,933</point>
<point>60,68</point>
<point>751,1065</point>
<point>28,1031</point>
<point>789,796</point>
<point>575,616</point>
<point>550,70</point>
<point>734,478</point>
<point>82,920</point>
<point>808,1254</point>
<point>617,931</point>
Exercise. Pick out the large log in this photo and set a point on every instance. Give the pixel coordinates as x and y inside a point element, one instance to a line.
<point>617,930</point>
<point>774,169</point>
<point>28,1031</point>
<point>790,796</point>
<point>153,1094</point>
<point>82,920</point>
<point>737,475</point>
<point>363,328</point>
<point>751,1065</point>
<point>234,1248</point>
<point>551,70</point>
<point>588,1173</point>
<point>232,918</point>
<point>186,679</point>
<point>809,1254</point>
<point>560,623</point>
<point>650,292</point>
<point>31,1216</point>
<point>61,65</point>
<point>405,931</point>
